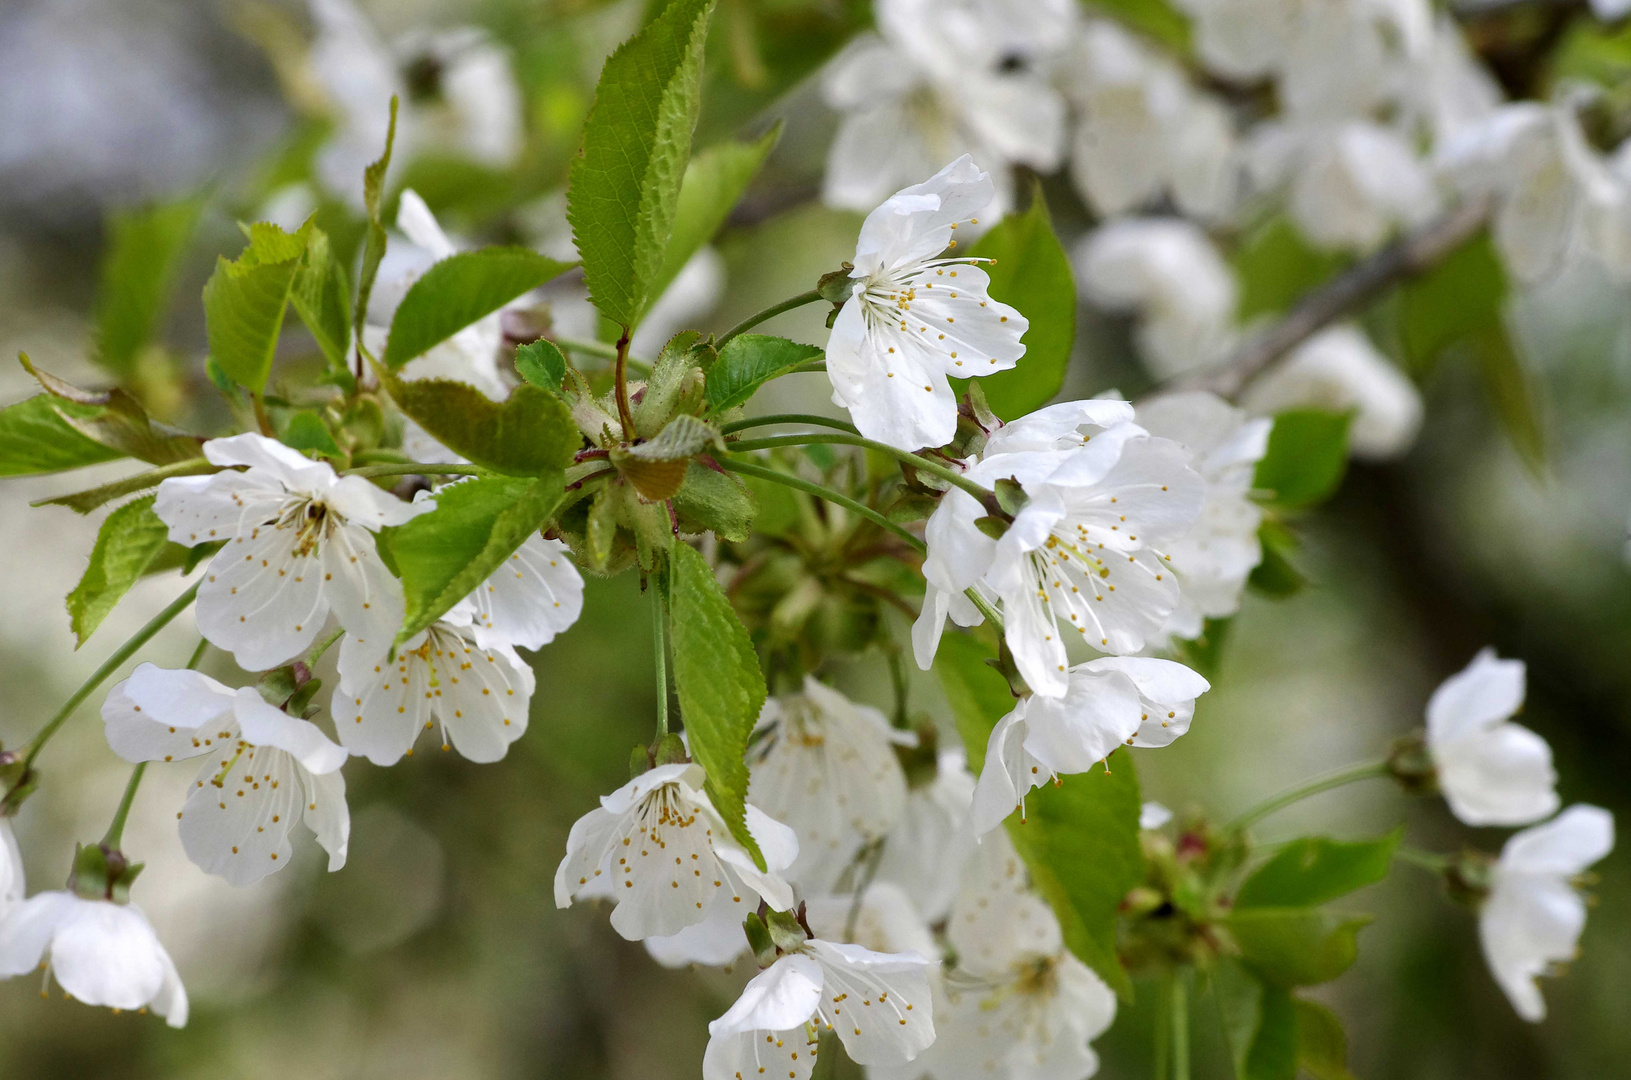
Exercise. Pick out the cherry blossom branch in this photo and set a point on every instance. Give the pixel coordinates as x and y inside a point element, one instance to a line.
<point>768,313</point>
<point>112,664</point>
<point>1408,257</point>
<point>922,464</point>
<point>1364,771</point>
<point>788,418</point>
<point>809,488</point>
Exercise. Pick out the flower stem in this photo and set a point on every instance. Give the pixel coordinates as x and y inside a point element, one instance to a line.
<point>624,412</point>
<point>1427,860</point>
<point>984,607</point>
<point>768,313</point>
<point>918,462</point>
<point>262,420</point>
<point>112,664</point>
<point>659,633</point>
<point>1179,1011</point>
<point>416,469</point>
<point>602,350</point>
<point>788,418</point>
<point>116,828</point>
<point>1363,771</point>
<point>809,488</point>
<point>198,654</point>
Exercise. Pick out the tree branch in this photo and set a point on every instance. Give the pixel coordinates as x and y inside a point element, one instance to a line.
<point>1408,257</point>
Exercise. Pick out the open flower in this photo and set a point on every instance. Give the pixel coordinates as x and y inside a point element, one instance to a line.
<point>915,319</point>
<point>877,1003</point>
<point>535,595</point>
<point>1533,915</point>
<point>1018,1005</point>
<point>12,886</point>
<point>1110,702</point>
<point>1218,553</point>
<point>925,851</point>
<point>264,769</point>
<point>299,543</point>
<point>827,768</point>
<point>885,920</point>
<point>668,853</point>
<point>1491,772</point>
<point>101,952</point>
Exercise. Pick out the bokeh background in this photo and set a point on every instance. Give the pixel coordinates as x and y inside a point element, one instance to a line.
<point>438,951</point>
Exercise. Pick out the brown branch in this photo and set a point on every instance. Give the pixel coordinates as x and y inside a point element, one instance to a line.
<point>1411,255</point>
<point>624,414</point>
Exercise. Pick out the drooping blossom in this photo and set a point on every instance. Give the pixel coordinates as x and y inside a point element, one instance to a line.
<point>1491,771</point>
<point>925,851</point>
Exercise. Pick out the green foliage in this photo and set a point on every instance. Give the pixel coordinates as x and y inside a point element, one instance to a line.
<point>127,542</point>
<point>1271,1034</point>
<point>718,682</point>
<point>458,291</point>
<point>713,185</point>
<point>1296,946</point>
<point>625,183</point>
<point>144,251</point>
<point>1033,274</point>
<point>83,502</point>
<point>1080,839</point>
<point>1205,653</point>
<point>1277,575</point>
<point>373,243</point>
<point>675,384</point>
<point>244,302</point>
<point>1322,1046</point>
<point>541,364</point>
<point>1156,18</point>
<point>443,556</point>
<point>36,437</point>
<point>1592,52</point>
<point>1315,870</point>
<point>305,430</point>
<point>321,297</point>
<point>529,434</point>
<point>716,502</point>
<point>747,362</point>
<point>1276,266</point>
<point>1306,458</point>
<point>117,421</point>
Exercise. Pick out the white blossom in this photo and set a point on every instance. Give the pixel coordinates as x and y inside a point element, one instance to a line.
<point>456,90</point>
<point>1491,771</point>
<point>100,952</point>
<point>886,920</point>
<point>263,769</point>
<point>662,815</point>
<point>716,941</point>
<point>1217,555</point>
<point>1152,815</point>
<point>1018,1005</point>
<point>1109,702</point>
<point>536,594</point>
<point>914,319</point>
<point>878,1004</point>
<point>12,885</point>
<point>943,78</point>
<point>826,767</point>
<point>299,543</point>
<point>1533,916</point>
<point>925,851</point>
<point>1142,130</point>
<point>1169,273</point>
<point>1338,369</point>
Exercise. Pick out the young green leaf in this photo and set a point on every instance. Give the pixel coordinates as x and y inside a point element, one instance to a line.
<point>718,682</point>
<point>1272,1054</point>
<point>305,430</point>
<point>1296,946</point>
<point>1322,1046</point>
<point>127,542</point>
<point>374,237</point>
<point>1031,271</point>
<point>83,502</point>
<point>117,421</point>
<point>458,291</point>
<point>541,364</point>
<point>529,434</point>
<point>145,248</point>
<point>713,185</point>
<point>1315,870</point>
<point>1275,266</point>
<point>1079,840</point>
<point>322,298</point>
<point>716,502</point>
<point>1277,575</point>
<point>625,183</point>
<point>36,437</point>
<point>1157,19</point>
<point>443,556</point>
<point>747,362</point>
<point>244,302</point>
<point>1306,457</point>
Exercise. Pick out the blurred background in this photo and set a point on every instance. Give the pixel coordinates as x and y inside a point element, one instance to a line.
<point>438,951</point>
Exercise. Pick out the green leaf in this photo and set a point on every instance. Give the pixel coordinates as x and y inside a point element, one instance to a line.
<point>1273,1051</point>
<point>374,237</point>
<point>1033,274</point>
<point>1306,457</point>
<point>1322,1046</point>
<point>83,502</point>
<point>458,291</point>
<point>541,364</point>
<point>624,184</point>
<point>529,434</point>
<point>1296,946</point>
<point>1277,575</point>
<point>244,303</point>
<point>443,556</point>
<point>127,542</point>
<point>36,437</point>
<point>747,362</point>
<point>305,430</point>
<point>322,298</point>
<point>718,682</point>
<point>1513,393</point>
<point>1276,266</point>
<point>1080,839</point>
<point>117,421</point>
<point>716,502</point>
<point>1315,870</point>
<point>713,185</point>
<point>144,251</point>
<point>1156,18</point>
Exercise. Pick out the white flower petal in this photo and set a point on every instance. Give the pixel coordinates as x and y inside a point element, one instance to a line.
<point>535,595</point>
<point>783,996</point>
<point>879,1003</point>
<point>1484,693</point>
<point>157,714</point>
<point>268,726</point>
